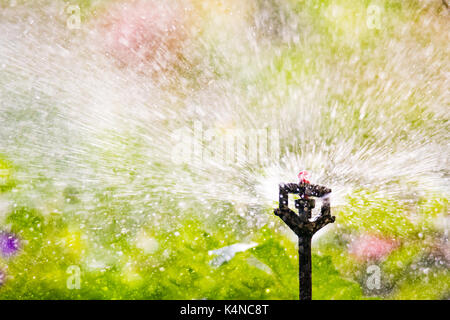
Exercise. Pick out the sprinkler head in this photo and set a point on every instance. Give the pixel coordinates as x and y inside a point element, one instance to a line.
<point>303,177</point>
<point>301,223</point>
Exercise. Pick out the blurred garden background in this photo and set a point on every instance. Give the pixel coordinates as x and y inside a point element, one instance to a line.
<point>97,202</point>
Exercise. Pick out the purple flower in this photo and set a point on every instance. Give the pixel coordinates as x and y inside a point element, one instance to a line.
<point>9,244</point>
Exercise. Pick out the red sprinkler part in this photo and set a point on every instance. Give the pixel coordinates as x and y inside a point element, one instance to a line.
<point>303,177</point>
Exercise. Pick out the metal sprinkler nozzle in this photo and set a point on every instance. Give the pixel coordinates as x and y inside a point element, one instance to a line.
<point>301,225</point>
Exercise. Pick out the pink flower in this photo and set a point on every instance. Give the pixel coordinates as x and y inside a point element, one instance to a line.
<point>141,31</point>
<point>371,247</point>
<point>2,277</point>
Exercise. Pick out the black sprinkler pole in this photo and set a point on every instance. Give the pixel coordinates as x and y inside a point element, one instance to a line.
<point>304,268</point>
<point>302,226</point>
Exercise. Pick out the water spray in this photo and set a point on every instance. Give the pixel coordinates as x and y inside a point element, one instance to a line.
<point>301,224</point>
